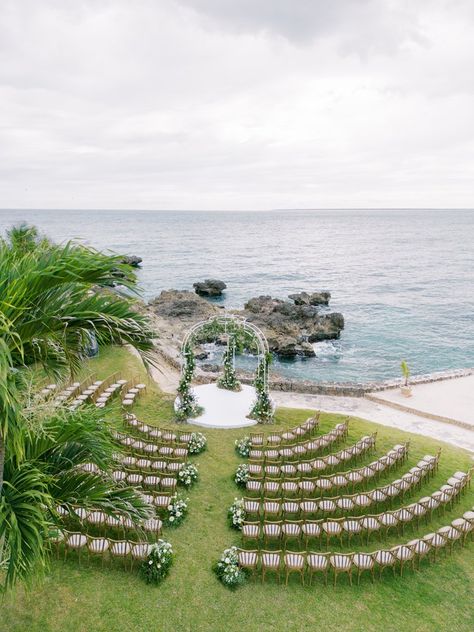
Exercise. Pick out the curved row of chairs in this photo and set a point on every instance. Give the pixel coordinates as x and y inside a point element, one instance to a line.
<point>149,481</point>
<point>307,563</point>
<point>107,548</point>
<point>307,467</point>
<point>307,486</point>
<point>165,465</point>
<point>142,447</point>
<point>164,435</point>
<point>310,447</point>
<point>333,505</point>
<point>104,522</point>
<point>131,392</point>
<point>281,531</point>
<point>306,429</point>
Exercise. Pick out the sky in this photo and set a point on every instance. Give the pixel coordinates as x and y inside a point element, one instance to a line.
<point>236,104</point>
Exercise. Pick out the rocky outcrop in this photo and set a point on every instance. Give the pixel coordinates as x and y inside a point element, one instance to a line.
<point>132,260</point>
<point>209,287</point>
<point>181,305</point>
<point>316,298</point>
<point>291,328</point>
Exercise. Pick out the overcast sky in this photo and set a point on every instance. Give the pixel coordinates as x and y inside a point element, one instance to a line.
<point>236,104</point>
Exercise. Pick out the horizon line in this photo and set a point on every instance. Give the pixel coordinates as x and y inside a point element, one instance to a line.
<point>266,210</point>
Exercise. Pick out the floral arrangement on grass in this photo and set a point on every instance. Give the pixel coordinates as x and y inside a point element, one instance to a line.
<point>228,570</point>
<point>236,514</point>
<point>242,475</point>
<point>243,446</point>
<point>177,510</point>
<point>188,475</point>
<point>158,563</point>
<point>229,380</point>
<point>197,443</point>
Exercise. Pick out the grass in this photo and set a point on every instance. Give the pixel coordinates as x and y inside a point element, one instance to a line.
<point>73,599</point>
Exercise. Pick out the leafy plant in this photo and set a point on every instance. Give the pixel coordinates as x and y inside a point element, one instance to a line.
<point>158,563</point>
<point>236,513</point>
<point>243,446</point>
<point>242,475</point>
<point>177,510</point>
<point>228,570</point>
<point>197,443</point>
<point>188,475</point>
<point>405,371</point>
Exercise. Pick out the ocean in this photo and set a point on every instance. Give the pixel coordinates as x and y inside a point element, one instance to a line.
<point>404,280</point>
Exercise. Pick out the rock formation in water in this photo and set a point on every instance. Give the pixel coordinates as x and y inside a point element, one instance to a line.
<point>209,287</point>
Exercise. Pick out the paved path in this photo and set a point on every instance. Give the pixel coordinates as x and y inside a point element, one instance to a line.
<point>372,411</point>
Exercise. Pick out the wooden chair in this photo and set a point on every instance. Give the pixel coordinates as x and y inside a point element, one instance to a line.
<point>351,526</point>
<point>98,546</point>
<point>272,531</point>
<point>404,554</point>
<point>384,559</point>
<point>271,562</point>
<point>464,526</point>
<point>364,562</point>
<point>121,549</point>
<point>251,531</point>
<point>421,548</point>
<point>257,439</point>
<point>311,530</point>
<point>139,551</point>
<point>317,562</point>
<point>74,542</point>
<point>294,563</point>
<point>451,534</point>
<point>436,541</point>
<point>332,529</point>
<point>248,560</point>
<point>370,524</point>
<point>341,563</point>
<point>291,531</point>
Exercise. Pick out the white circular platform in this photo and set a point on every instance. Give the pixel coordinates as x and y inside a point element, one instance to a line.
<point>224,409</point>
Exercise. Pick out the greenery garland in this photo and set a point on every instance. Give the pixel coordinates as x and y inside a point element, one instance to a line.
<point>229,380</point>
<point>262,410</point>
<point>187,406</point>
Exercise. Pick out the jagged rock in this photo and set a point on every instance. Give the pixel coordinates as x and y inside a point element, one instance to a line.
<point>289,326</point>
<point>320,298</point>
<point>307,350</point>
<point>200,353</point>
<point>301,298</point>
<point>209,287</point>
<point>181,305</point>
<point>132,260</point>
<point>316,298</point>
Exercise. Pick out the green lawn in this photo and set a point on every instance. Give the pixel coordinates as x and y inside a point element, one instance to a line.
<point>439,597</point>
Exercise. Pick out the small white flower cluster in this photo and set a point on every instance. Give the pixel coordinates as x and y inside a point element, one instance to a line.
<point>188,474</point>
<point>228,570</point>
<point>242,475</point>
<point>177,510</point>
<point>236,513</point>
<point>197,443</point>
<point>243,446</point>
<point>157,564</point>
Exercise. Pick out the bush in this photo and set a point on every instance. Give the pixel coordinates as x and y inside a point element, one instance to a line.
<point>197,443</point>
<point>158,563</point>
<point>243,446</point>
<point>236,513</point>
<point>242,475</point>
<point>227,569</point>
<point>188,475</point>
<point>177,510</point>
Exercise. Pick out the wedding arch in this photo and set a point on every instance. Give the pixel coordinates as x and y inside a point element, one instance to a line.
<point>232,327</point>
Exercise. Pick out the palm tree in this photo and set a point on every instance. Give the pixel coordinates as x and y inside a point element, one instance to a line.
<point>52,298</point>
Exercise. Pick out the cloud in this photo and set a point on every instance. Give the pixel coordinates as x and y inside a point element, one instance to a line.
<point>228,105</point>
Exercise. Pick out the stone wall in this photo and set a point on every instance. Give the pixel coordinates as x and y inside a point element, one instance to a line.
<point>348,389</point>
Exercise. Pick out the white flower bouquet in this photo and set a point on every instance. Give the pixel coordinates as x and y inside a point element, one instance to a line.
<point>242,475</point>
<point>236,513</point>
<point>243,446</point>
<point>177,510</point>
<point>197,443</point>
<point>158,562</point>
<point>188,475</point>
<point>228,570</point>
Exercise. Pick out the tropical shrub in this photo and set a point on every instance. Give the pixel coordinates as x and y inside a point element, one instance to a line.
<point>158,563</point>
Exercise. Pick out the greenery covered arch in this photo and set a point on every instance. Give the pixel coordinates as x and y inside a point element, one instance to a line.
<point>241,335</point>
